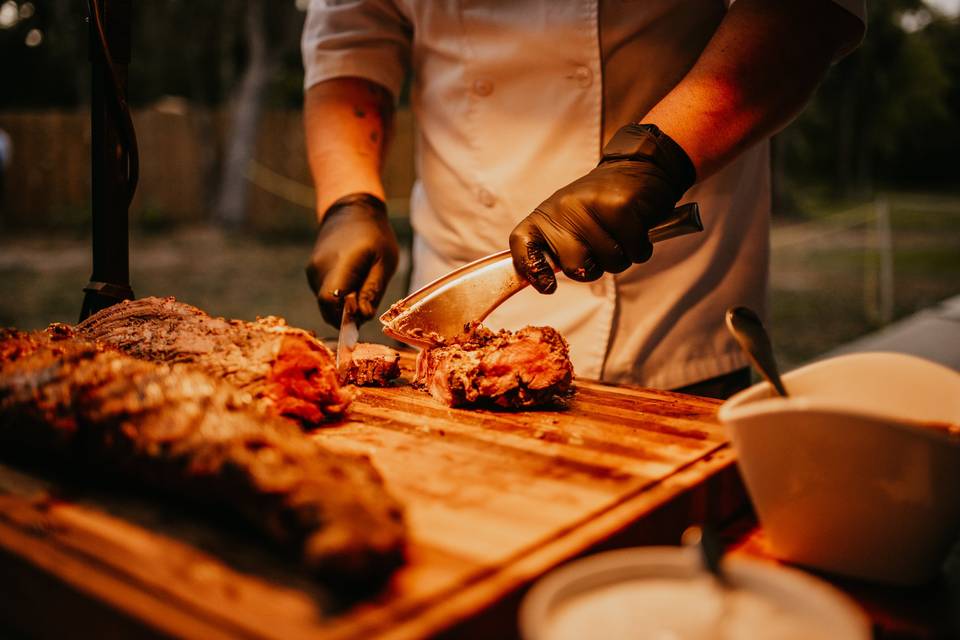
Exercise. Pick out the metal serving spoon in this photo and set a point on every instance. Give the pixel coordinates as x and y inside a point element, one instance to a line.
<point>711,550</point>
<point>706,540</point>
<point>746,327</point>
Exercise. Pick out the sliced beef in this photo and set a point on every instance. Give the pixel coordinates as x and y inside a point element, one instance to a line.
<point>374,365</point>
<point>179,430</point>
<point>290,371</point>
<point>519,369</point>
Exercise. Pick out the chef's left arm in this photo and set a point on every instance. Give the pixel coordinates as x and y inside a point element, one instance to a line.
<point>755,75</point>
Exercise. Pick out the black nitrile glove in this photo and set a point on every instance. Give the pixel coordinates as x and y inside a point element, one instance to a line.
<point>356,250</point>
<point>599,222</point>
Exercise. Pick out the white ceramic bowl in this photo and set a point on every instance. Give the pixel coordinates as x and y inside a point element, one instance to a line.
<point>662,592</point>
<point>849,473</point>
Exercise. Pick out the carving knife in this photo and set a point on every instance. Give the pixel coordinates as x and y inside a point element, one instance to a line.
<point>349,334</point>
<point>440,309</point>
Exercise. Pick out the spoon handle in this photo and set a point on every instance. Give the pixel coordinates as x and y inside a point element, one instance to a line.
<point>747,328</point>
<point>706,539</point>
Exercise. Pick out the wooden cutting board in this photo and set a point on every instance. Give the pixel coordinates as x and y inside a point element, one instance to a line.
<point>494,499</point>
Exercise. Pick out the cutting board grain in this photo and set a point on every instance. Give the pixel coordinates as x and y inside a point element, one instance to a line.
<point>493,500</point>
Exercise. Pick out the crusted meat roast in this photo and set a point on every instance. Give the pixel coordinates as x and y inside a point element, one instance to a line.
<point>177,429</point>
<point>373,365</point>
<point>518,369</point>
<point>290,371</point>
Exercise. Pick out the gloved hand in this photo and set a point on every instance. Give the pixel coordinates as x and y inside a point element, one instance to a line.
<point>356,250</point>
<point>599,222</point>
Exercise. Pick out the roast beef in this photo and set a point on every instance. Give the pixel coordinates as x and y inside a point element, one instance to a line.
<point>374,365</point>
<point>177,429</point>
<point>292,373</point>
<point>516,369</point>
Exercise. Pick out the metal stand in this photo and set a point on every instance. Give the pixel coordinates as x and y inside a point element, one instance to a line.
<point>111,184</point>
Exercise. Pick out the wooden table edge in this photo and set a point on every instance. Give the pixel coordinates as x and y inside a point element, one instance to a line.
<point>590,532</point>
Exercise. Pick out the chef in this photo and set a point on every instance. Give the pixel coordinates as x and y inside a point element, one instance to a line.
<point>565,129</point>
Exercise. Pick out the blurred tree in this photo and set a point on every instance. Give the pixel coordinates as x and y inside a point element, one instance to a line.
<point>887,114</point>
<point>270,27</point>
<point>41,47</point>
<point>929,124</point>
<point>880,107</point>
<point>188,48</point>
<point>239,54</point>
<point>191,51</point>
<point>231,204</point>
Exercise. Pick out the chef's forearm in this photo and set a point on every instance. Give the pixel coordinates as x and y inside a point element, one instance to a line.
<point>759,69</point>
<point>347,121</point>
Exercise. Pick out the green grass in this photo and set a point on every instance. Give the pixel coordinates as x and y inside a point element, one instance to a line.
<point>804,324</point>
<point>930,260</point>
<point>821,285</point>
<point>823,289</point>
<point>226,274</point>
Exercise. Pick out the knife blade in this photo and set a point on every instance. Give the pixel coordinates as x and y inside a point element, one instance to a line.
<point>349,334</point>
<point>440,309</point>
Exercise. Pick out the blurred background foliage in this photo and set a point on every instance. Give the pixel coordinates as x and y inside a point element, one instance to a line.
<point>886,115</point>
<point>196,49</point>
<point>217,88</point>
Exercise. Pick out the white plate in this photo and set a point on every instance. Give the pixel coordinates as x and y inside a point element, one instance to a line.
<point>660,592</point>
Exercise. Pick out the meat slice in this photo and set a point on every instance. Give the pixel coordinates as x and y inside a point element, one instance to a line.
<point>374,365</point>
<point>290,371</point>
<point>176,429</point>
<point>522,369</point>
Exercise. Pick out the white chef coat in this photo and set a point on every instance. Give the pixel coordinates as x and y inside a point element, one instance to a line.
<point>514,100</point>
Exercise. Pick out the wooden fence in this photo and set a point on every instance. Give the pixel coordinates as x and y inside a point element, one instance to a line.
<point>48,182</point>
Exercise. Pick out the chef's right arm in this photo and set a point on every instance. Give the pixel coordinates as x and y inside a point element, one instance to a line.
<point>355,55</point>
<point>761,66</point>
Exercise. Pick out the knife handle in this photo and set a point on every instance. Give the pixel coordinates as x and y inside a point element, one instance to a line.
<point>681,221</point>
<point>684,219</point>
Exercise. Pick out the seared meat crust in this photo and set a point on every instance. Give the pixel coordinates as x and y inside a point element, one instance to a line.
<point>177,429</point>
<point>292,373</point>
<point>522,369</point>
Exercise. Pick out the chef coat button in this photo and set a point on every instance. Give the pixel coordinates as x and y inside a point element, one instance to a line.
<point>486,198</point>
<point>482,87</point>
<point>598,289</point>
<point>583,76</point>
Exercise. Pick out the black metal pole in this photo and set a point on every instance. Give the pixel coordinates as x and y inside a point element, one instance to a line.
<point>110,191</point>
